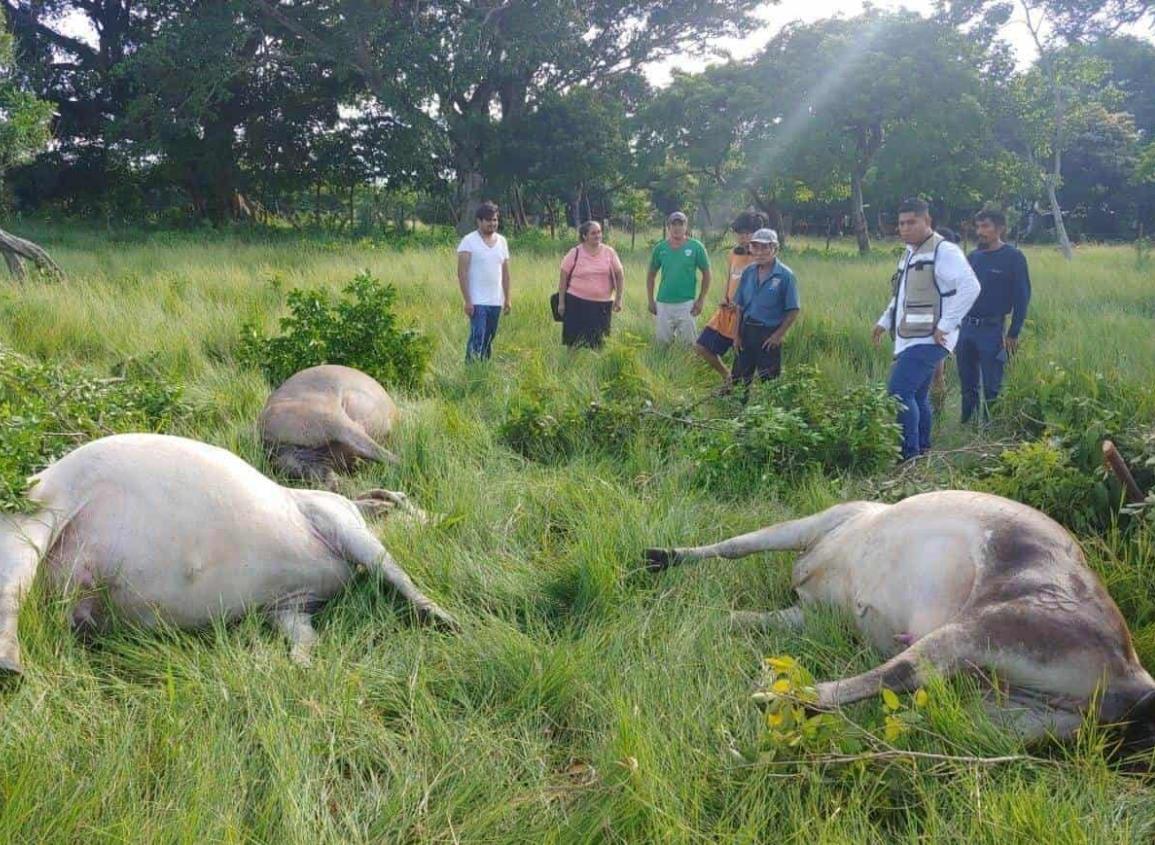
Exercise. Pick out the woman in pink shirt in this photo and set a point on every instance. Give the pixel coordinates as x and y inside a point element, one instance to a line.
<point>589,289</point>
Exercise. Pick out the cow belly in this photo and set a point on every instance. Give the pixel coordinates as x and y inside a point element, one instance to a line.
<point>188,542</point>
<point>908,584</point>
<point>914,586</point>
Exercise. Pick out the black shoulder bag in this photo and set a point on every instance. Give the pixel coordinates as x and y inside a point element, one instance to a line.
<point>555,297</point>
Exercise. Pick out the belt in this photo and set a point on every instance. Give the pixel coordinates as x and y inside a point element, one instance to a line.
<point>982,321</point>
<point>760,325</point>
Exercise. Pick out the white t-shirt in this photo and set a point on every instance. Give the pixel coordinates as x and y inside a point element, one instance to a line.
<point>485,267</point>
<point>954,272</point>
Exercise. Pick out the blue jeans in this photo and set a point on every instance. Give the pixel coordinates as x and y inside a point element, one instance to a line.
<point>981,358</point>
<point>482,328</point>
<point>910,379</point>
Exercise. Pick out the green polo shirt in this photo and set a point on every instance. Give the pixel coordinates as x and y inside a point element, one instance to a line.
<point>679,268</point>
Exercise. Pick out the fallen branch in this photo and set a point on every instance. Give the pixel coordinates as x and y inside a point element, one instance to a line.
<point>898,754</point>
<point>15,250</point>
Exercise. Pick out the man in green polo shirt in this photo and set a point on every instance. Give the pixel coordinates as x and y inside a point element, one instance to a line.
<point>679,258</point>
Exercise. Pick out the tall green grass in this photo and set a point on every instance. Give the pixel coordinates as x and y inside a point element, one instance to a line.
<point>585,700</point>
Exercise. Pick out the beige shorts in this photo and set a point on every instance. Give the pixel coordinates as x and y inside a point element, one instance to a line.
<point>675,322</point>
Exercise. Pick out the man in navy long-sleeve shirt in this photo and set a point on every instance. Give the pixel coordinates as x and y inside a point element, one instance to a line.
<point>1006,289</point>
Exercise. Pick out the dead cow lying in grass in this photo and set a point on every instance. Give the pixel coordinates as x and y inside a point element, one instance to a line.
<point>325,419</point>
<point>171,530</point>
<point>954,581</point>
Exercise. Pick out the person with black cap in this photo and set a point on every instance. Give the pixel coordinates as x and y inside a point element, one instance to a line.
<point>679,258</point>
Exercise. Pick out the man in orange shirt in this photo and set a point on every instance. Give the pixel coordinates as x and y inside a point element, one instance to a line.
<point>718,336</point>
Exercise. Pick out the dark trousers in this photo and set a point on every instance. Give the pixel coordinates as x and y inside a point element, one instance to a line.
<point>910,379</point>
<point>585,322</point>
<point>482,328</point>
<point>753,358</point>
<point>981,359</point>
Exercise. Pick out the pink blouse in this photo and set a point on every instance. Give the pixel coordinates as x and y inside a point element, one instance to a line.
<point>592,278</point>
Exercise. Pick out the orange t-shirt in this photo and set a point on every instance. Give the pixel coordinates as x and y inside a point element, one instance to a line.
<point>725,319</point>
<point>593,277</point>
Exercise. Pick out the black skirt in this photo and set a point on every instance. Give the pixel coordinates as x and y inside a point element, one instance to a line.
<point>585,323</point>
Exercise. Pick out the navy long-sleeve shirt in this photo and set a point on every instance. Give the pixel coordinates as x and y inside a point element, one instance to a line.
<point>1006,285</point>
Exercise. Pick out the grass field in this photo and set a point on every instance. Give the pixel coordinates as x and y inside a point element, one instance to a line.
<point>584,701</point>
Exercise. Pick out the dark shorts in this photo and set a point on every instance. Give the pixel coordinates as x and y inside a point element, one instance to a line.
<point>715,341</point>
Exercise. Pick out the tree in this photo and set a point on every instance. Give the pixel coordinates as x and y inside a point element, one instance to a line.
<point>844,88</point>
<point>24,129</point>
<point>478,67</point>
<point>1054,98</point>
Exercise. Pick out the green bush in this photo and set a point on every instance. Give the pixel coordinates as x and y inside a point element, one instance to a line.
<point>795,425</point>
<point>1041,474</point>
<point>358,330</point>
<point>46,411</point>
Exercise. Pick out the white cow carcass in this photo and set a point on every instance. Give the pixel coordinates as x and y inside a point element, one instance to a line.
<point>165,529</point>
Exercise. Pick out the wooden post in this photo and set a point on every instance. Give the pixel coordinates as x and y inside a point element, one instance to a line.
<point>1118,467</point>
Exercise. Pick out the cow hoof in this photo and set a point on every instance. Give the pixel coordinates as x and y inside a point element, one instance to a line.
<point>439,618</point>
<point>658,560</point>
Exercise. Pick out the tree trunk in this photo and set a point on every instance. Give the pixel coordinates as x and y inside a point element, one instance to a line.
<point>469,198</point>
<point>1057,212</point>
<point>15,249</point>
<point>858,213</point>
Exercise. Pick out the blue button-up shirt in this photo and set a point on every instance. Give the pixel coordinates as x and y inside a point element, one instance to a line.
<point>767,300</point>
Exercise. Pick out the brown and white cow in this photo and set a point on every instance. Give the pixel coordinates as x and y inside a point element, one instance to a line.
<point>325,419</point>
<point>954,581</point>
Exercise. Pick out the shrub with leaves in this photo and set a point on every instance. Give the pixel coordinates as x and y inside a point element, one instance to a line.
<point>46,411</point>
<point>1041,474</point>
<point>359,329</point>
<point>795,731</point>
<point>798,424</point>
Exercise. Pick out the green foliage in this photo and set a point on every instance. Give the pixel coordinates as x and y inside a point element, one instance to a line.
<point>23,117</point>
<point>1040,474</point>
<point>46,411</point>
<point>548,426</point>
<point>359,330</point>
<point>794,425</point>
<point>795,732</point>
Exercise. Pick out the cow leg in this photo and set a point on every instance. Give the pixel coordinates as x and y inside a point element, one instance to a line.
<point>297,626</point>
<point>1032,720</point>
<point>23,543</point>
<point>374,502</point>
<point>788,619</point>
<point>353,438</point>
<point>941,651</point>
<point>361,547</point>
<point>795,535</point>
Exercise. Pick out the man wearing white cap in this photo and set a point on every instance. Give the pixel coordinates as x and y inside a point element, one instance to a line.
<point>679,258</point>
<point>767,303</point>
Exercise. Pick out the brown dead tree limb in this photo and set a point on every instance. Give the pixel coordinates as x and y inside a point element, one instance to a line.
<point>16,250</point>
<point>1118,467</point>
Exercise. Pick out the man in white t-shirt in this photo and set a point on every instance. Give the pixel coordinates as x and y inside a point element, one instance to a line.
<point>483,274</point>
<point>932,289</point>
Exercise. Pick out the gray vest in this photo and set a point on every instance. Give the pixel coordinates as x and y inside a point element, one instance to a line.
<point>921,304</point>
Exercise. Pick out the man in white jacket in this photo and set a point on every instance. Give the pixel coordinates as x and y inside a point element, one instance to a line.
<point>932,290</point>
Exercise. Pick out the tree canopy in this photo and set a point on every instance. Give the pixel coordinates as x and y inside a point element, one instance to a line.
<point>304,111</point>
